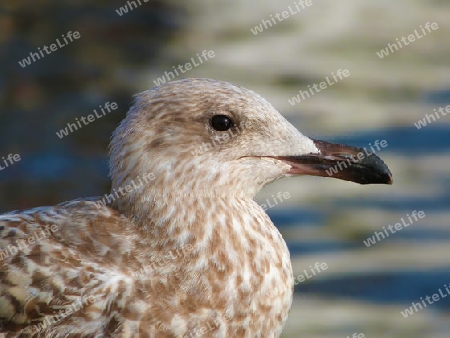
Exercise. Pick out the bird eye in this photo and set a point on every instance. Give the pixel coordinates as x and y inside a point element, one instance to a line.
<point>221,122</point>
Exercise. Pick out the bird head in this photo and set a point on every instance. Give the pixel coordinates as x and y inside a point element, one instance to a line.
<point>206,137</point>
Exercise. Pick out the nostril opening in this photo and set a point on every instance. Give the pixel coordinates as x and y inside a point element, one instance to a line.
<point>346,155</point>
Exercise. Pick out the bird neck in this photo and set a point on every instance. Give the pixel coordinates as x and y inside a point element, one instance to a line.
<point>172,224</point>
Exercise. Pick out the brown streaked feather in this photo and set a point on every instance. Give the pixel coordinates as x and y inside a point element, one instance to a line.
<point>186,254</point>
<point>97,252</point>
<point>61,267</point>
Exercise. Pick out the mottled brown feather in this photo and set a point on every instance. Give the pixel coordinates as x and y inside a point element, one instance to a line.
<point>188,253</point>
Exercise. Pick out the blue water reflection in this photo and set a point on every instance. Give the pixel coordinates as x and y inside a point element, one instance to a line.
<point>399,286</point>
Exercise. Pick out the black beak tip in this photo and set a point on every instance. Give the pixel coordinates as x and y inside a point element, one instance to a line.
<point>377,178</point>
<point>375,171</point>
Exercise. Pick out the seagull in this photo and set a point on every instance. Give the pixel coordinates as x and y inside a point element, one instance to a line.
<point>179,248</point>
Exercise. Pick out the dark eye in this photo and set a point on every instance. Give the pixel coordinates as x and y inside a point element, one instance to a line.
<point>221,122</point>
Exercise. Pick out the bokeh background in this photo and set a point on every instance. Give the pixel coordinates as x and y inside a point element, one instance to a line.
<point>364,289</point>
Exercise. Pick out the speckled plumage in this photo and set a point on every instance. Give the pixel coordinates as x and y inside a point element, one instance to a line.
<point>187,254</point>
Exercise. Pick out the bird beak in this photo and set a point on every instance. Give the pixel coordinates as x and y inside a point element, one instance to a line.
<point>342,162</point>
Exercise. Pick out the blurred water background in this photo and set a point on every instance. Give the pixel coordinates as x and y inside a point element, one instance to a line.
<point>364,289</point>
